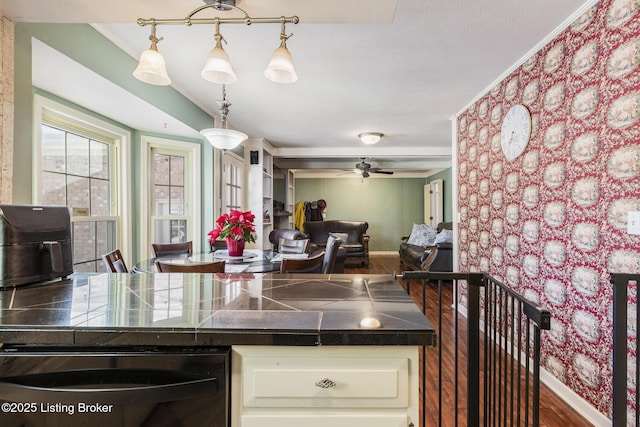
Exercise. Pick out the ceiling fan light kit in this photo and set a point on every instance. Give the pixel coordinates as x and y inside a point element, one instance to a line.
<point>151,68</point>
<point>370,138</point>
<point>365,168</point>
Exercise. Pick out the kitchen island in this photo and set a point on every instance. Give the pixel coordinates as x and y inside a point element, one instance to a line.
<point>305,348</point>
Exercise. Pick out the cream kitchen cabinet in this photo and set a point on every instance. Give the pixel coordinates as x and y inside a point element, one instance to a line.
<point>324,386</point>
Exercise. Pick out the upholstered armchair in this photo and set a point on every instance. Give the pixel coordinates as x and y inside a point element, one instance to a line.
<point>284,233</point>
<point>355,241</point>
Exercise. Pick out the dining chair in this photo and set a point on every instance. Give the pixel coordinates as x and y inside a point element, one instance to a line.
<point>167,249</point>
<point>200,267</point>
<point>114,263</point>
<point>331,252</point>
<point>291,246</point>
<point>313,264</point>
<point>217,244</point>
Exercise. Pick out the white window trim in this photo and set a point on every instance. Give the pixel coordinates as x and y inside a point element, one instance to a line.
<point>120,173</point>
<point>192,173</point>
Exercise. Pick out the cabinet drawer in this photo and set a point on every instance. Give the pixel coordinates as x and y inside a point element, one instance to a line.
<point>332,382</point>
<point>324,420</point>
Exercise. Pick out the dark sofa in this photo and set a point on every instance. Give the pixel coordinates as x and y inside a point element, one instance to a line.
<point>355,241</point>
<point>438,257</point>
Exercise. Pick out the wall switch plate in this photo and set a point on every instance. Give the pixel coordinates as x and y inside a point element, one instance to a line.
<point>633,222</point>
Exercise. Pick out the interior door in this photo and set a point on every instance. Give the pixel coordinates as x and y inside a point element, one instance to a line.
<point>433,203</point>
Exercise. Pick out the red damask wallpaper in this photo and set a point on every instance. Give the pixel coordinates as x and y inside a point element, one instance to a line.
<point>552,222</point>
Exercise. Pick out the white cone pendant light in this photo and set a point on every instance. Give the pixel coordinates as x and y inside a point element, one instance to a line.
<point>151,68</point>
<point>280,68</point>
<point>218,67</point>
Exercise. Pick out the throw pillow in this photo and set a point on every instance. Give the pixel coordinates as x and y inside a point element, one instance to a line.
<point>422,235</point>
<point>445,236</point>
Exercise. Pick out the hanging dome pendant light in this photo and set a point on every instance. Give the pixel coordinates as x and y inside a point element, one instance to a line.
<point>280,68</point>
<point>223,138</point>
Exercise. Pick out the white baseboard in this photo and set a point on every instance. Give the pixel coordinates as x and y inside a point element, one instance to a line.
<point>383,252</point>
<point>572,399</point>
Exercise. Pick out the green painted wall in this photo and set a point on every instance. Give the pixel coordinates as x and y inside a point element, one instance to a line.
<point>447,179</point>
<point>85,45</point>
<point>279,190</point>
<point>390,206</point>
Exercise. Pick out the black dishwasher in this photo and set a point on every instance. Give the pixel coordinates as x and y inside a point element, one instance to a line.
<point>129,387</point>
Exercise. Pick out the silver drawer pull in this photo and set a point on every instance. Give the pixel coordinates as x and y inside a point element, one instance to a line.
<point>325,383</point>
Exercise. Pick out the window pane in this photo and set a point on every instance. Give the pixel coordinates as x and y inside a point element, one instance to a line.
<point>104,241</point>
<point>161,202</point>
<point>177,170</point>
<point>178,230</point>
<point>78,192</point>
<point>77,155</point>
<point>84,248</point>
<point>232,189</point>
<point>53,189</point>
<point>161,169</point>
<point>177,200</point>
<point>162,231</point>
<point>99,155</point>
<point>53,156</point>
<point>236,197</point>
<point>99,197</point>
<point>170,231</point>
<point>89,267</point>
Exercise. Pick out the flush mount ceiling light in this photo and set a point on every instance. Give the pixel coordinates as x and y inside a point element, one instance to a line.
<point>223,138</point>
<point>151,68</point>
<point>370,138</point>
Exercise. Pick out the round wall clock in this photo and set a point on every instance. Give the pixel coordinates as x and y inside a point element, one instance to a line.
<point>516,131</point>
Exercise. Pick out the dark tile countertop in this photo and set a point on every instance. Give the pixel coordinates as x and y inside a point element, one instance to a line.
<point>206,309</point>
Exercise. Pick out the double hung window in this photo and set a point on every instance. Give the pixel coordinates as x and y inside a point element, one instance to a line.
<point>79,165</point>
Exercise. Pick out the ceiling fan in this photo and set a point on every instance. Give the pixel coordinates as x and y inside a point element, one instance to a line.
<point>365,168</point>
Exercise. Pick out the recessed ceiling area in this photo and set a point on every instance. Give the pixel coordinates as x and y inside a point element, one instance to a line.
<point>400,67</point>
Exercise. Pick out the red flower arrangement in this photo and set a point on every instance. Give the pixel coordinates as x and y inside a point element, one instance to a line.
<point>235,225</point>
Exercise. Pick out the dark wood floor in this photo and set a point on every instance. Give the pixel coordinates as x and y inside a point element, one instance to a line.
<point>554,412</point>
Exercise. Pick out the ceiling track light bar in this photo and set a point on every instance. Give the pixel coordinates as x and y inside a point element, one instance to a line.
<point>189,20</point>
<point>152,68</point>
